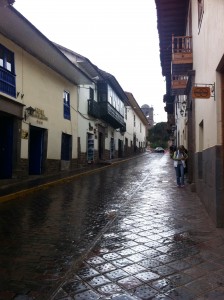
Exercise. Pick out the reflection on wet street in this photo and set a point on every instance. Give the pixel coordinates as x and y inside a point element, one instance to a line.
<point>145,239</point>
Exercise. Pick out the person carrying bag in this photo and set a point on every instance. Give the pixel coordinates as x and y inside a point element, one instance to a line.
<point>179,158</point>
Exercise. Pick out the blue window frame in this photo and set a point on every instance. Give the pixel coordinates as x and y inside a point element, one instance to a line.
<point>67,110</point>
<point>7,71</point>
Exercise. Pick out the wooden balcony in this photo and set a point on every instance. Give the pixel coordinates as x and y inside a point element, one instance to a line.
<point>179,84</point>
<point>106,112</point>
<point>182,55</point>
<point>182,50</point>
<point>111,116</point>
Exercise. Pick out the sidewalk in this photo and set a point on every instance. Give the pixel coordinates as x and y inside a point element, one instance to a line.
<point>160,245</point>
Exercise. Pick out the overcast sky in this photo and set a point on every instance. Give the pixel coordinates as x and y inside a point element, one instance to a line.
<point>119,36</point>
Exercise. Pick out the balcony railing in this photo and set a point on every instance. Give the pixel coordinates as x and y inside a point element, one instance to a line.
<point>182,50</point>
<point>7,82</point>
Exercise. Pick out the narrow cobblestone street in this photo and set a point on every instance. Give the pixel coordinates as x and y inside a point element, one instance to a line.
<point>126,232</point>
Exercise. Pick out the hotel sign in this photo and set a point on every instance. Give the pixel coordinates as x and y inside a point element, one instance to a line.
<point>203,92</point>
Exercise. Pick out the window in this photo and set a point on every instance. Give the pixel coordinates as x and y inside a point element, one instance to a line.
<point>126,113</point>
<point>66,146</point>
<point>91,94</point>
<point>7,72</point>
<point>200,12</point>
<point>134,120</point>
<point>67,113</point>
<point>6,59</point>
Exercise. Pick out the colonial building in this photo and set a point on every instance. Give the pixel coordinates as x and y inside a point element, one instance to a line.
<point>137,126</point>
<point>106,128</point>
<point>192,60</point>
<point>38,101</point>
<point>57,109</point>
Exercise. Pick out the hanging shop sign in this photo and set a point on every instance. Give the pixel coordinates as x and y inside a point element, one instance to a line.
<point>203,91</point>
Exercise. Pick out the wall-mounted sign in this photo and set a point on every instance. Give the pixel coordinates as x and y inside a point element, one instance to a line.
<point>39,114</point>
<point>203,92</point>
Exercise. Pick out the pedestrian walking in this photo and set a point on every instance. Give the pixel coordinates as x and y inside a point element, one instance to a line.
<point>186,161</point>
<point>180,157</point>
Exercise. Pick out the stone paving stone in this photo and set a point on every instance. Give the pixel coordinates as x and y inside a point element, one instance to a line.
<point>134,269</point>
<point>164,270</point>
<point>95,260</point>
<point>109,289</point>
<point>126,252</point>
<point>116,274</point>
<point>147,276</point>
<point>140,248</point>
<point>152,244</point>
<point>98,280</point>
<point>103,268</point>
<point>150,263</point>
<point>142,240</point>
<point>165,258</point>
<point>162,285</point>
<point>87,272</point>
<point>90,295</point>
<point>130,244</point>
<point>129,282</point>
<point>122,262</point>
<point>137,257</point>
<point>111,256</point>
<point>151,253</point>
<point>144,292</point>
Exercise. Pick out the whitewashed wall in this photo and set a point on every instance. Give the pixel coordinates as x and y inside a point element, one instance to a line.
<point>208,49</point>
<point>43,89</point>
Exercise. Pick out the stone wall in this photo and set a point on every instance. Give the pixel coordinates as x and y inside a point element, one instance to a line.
<point>209,182</point>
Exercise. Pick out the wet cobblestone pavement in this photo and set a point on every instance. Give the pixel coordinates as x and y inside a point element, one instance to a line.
<point>131,236</point>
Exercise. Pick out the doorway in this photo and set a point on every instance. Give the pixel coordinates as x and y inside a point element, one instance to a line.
<point>6,146</point>
<point>36,150</point>
<point>101,141</point>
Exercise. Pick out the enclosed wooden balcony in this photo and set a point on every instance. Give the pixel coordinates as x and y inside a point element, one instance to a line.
<point>106,112</point>
<point>179,84</point>
<point>110,115</point>
<point>182,55</point>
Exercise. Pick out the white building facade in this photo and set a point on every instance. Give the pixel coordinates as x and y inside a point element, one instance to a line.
<point>195,60</point>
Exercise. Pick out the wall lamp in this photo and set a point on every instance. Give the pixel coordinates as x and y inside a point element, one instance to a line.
<point>29,112</point>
